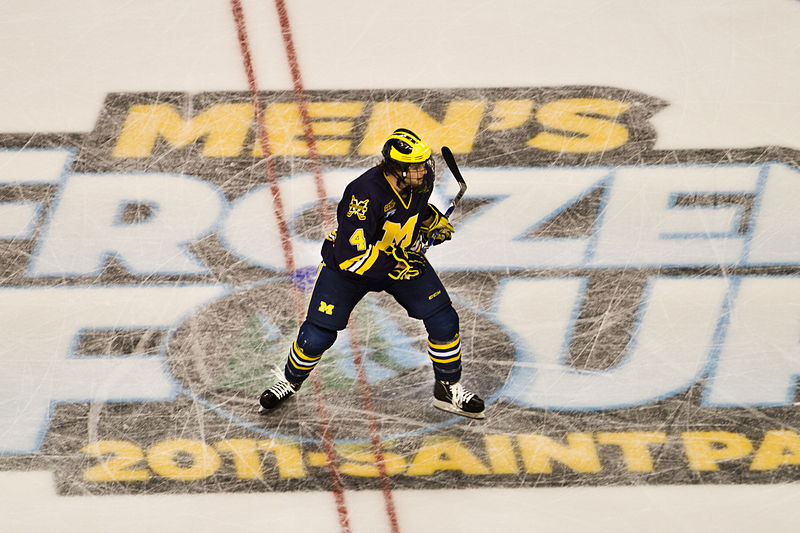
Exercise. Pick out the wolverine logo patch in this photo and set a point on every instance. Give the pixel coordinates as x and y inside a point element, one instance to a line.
<point>358,208</point>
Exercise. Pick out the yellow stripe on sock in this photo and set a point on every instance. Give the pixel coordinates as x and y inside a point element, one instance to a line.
<point>451,360</point>
<point>300,355</point>
<point>447,346</point>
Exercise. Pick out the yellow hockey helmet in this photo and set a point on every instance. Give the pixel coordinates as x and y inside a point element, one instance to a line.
<point>404,148</point>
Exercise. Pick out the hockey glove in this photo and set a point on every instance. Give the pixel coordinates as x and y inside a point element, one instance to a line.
<point>440,228</point>
<point>410,264</point>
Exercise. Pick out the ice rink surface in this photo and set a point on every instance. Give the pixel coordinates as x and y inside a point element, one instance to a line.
<point>626,267</point>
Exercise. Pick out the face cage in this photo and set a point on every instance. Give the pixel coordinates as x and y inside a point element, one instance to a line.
<point>401,169</point>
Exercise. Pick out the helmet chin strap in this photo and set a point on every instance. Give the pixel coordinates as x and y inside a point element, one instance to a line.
<point>402,186</point>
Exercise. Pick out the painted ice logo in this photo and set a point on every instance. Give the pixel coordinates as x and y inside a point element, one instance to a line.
<point>594,276</point>
<point>225,372</point>
<point>708,241</point>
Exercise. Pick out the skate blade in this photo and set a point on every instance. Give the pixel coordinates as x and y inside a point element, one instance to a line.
<point>263,410</point>
<point>450,408</point>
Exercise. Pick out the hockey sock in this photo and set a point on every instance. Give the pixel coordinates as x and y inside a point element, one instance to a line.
<point>307,350</point>
<point>446,358</point>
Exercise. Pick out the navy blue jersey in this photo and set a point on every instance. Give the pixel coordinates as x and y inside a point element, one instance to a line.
<point>372,216</point>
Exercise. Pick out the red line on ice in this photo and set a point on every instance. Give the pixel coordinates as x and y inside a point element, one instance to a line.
<point>366,397</point>
<point>258,111</point>
<point>302,104</point>
<point>308,133</point>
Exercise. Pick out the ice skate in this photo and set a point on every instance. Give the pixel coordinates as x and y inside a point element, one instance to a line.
<point>275,395</point>
<point>453,398</point>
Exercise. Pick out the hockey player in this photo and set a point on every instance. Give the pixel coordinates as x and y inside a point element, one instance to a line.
<point>383,220</point>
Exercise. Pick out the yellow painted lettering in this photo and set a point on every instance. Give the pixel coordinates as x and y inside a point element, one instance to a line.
<point>634,445</point>
<point>183,459</point>
<point>285,128</point>
<point>779,448</point>
<point>539,451</point>
<point>445,453</point>
<point>288,457</point>
<point>361,462</point>
<point>246,460</point>
<point>586,134</point>
<point>224,127</point>
<point>317,458</point>
<point>705,449</point>
<point>118,467</point>
<point>509,114</point>
<point>457,130</point>
<point>500,450</point>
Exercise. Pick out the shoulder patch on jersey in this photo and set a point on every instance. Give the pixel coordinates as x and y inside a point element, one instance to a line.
<point>358,208</point>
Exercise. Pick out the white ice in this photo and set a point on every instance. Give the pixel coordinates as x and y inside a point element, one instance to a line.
<point>729,70</point>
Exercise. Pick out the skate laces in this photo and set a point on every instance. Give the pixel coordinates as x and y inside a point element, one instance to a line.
<point>283,387</point>
<point>459,394</point>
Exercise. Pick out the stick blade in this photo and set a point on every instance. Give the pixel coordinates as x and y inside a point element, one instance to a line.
<point>447,155</point>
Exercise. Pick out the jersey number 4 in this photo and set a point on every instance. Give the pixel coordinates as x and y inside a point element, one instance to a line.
<point>357,239</point>
<point>393,233</point>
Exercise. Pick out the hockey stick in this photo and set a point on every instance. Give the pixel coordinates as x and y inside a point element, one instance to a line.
<point>447,155</point>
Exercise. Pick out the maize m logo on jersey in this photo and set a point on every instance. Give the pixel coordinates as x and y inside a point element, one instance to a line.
<point>602,283</point>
